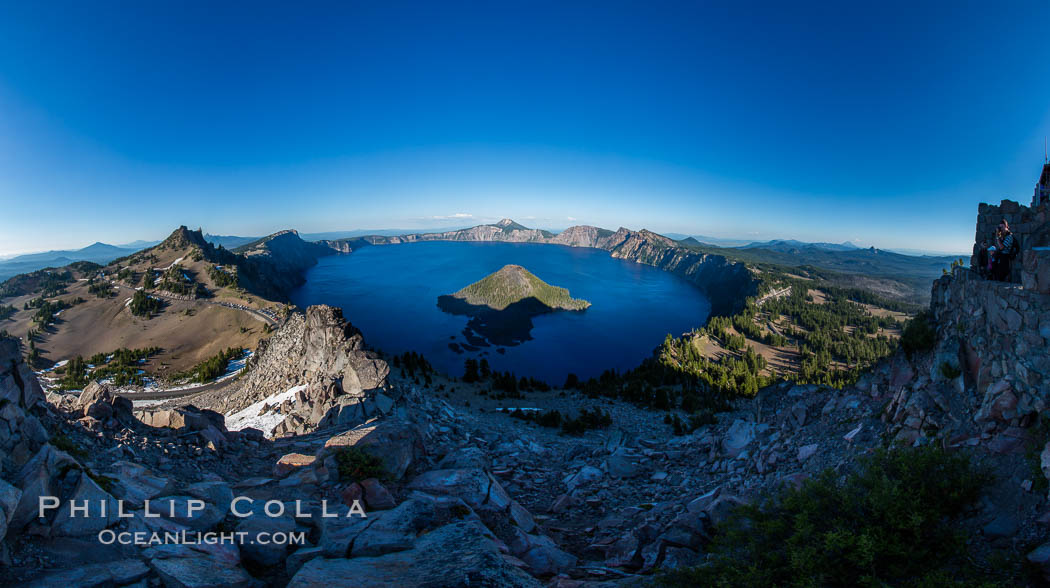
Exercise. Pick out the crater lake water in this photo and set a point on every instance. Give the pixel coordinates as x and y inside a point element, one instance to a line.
<point>390,292</point>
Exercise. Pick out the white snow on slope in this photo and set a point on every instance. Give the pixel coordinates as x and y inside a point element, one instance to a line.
<point>250,417</point>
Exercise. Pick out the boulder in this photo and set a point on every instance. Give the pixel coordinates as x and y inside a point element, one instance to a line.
<point>807,451</point>
<point>177,510</point>
<point>459,554</point>
<point>199,572</point>
<point>101,513</point>
<point>586,475</point>
<point>215,493</point>
<point>1000,403</point>
<point>134,484</point>
<point>545,559</point>
<point>98,401</point>
<point>376,496</point>
<point>299,557</point>
<point>464,458</point>
<point>35,479</point>
<point>522,517</point>
<point>397,443</point>
<point>624,463</point>
<point>290,462</point>
<point>264,551</point>
<point>475,487</point>
<point>339,532</point>
<point>1040,557</point>
<point>115,573</point>
<point>9,497</point>
<point>396,529</point>
<point>738,437</point>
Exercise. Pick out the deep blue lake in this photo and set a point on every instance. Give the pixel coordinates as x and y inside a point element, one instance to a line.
<point>390,292</point>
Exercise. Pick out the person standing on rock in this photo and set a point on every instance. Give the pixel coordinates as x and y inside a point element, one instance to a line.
<point>1005,250</point>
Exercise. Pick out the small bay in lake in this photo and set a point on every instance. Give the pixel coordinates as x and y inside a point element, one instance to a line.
<point>390,292</point>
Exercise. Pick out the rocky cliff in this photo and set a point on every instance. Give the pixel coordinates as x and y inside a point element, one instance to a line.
<point>323,358</point>
<point>274,265</point>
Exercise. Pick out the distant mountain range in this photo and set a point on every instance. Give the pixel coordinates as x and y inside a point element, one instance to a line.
<point>793,245</point>
<point>228,241</point>
<point>101,253</point>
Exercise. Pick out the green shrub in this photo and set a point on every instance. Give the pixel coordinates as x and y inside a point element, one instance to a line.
<point>64,443</point>
<point>355,464</point>
<point>587,419</point>
<point>144,305</point>
<point>889,523</point>
<point>949,371</point>
<point>919,334</point>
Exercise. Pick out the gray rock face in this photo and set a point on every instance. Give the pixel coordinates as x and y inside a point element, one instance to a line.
<point>475,487</point>
<point>199,572</point>
<point>338,533</point>
<point>739,436</point>
<point>586,475</point>
<point>544,558</point>
<point>259,547</point>
<point>118,573</point>
<point>177,509</point>
<point>35,480</point>
<point>395,530</point>
<point>135,484</point>
<point>459,554</point>
<point>101,511</point>
<point>397,443</point>
<point>376,496</point>
<point>9,497</point>
<point>327,354</point>
<point>624,463</point>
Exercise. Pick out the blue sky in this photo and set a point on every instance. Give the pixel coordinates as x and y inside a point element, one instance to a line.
<point>885,123</point>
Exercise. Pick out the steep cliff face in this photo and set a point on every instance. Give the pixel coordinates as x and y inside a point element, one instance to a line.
<point>274,266</point>
<point>726,283</point>
<point>582,236</point>
<point>21,433</point>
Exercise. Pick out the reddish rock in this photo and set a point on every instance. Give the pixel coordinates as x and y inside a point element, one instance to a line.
<point>351,493</point>
<point>291,462</point>
<point>376,496</point>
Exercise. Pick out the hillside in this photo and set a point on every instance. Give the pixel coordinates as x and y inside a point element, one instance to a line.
<point>904,277</point>
<point>185,296</point>
<point>512,284</point>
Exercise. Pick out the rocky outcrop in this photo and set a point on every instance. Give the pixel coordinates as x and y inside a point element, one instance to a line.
<point>275,265</point>
<point>996,334</point>
<point>323,358</point>
<point>21,431</point>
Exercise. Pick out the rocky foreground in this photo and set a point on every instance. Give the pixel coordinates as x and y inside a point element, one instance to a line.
<point>462,496</point>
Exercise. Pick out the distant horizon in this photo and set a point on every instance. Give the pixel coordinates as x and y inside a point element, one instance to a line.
<point>398,231</point>
<point>877,124</point>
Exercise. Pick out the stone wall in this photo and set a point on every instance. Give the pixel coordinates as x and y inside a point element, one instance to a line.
<point>1003,332</point>
<point>1028,224</point>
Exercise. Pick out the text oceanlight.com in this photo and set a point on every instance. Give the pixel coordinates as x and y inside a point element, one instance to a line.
<point>109,537</point>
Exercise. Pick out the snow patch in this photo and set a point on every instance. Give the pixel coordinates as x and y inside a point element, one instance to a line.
<point>250,417</point>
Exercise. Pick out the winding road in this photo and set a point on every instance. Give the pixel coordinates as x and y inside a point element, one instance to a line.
<point>263,315</point>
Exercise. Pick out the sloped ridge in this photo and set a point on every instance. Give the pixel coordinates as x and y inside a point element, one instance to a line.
<point>183,238</point>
